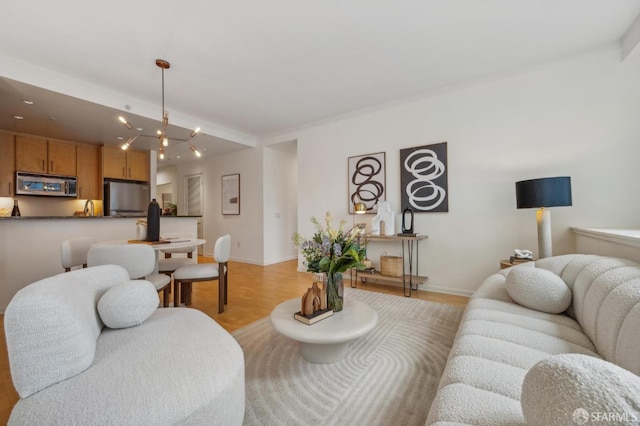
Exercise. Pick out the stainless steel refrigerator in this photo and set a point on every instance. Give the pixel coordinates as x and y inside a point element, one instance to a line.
<point>126,199</point>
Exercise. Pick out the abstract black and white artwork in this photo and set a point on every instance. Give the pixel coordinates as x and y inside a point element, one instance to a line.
<point>367,180</point>
<point>423,178</point>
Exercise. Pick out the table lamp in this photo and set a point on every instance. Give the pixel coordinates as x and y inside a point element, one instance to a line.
<point>541,193</point>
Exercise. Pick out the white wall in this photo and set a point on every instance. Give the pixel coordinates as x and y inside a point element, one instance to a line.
<point>167,175</point>
<point>246,229</point>
<point>577,118</point>
<point>280,203</point>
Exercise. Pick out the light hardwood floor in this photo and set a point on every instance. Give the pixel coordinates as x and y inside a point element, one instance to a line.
<point>253,293</point>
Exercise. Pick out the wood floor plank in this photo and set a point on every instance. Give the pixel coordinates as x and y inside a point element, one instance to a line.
<point>253,293</point>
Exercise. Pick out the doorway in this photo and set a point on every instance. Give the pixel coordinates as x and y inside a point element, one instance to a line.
<point>194,202</point>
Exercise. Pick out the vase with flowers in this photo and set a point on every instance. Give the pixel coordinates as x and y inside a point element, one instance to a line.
<point>331,252</point>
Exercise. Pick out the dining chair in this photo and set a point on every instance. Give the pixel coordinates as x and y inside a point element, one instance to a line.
<point>184,276</point>
<point>73,252</point>
<point>138,259</point>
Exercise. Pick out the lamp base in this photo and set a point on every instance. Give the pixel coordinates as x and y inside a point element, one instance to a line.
<point>543,217</point>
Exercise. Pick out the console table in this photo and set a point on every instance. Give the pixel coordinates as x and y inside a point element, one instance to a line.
<point>410,244</point>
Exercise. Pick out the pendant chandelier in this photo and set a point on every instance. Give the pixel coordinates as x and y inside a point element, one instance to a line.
<point>161,134</point>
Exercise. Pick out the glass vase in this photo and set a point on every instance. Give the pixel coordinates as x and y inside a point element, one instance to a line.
<point>334,287</point>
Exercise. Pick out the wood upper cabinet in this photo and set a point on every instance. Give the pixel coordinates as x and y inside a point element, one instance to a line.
<point>7,165</point>
<point>129,164</point>
<point>114,162</point>
<point>62,158</point>
<point>41,156</point>
<point>89,178</point>
<point>138,165</point>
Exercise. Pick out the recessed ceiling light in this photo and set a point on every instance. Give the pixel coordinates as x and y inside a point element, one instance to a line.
<point>18,117</point>
<point>27,101</point>
<point>139,129</point>
<point>177,156</point>
<point>120,138</point>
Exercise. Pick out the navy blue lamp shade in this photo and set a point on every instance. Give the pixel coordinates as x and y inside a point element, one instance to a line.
<point>545,192</point>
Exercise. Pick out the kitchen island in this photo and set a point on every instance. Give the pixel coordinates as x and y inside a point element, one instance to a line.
<point>30,245</point>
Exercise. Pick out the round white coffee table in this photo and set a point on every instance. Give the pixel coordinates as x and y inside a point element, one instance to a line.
<point>326,341</point>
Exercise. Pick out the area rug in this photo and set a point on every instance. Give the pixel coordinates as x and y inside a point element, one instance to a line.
<point>388,377</point>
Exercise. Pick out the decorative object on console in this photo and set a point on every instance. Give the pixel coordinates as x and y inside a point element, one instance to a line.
<point>391,266</point>
<point>331,252</point>
<point>541,193</point>
<point>407,229</point>
<point>161,134</point>
<point>153,221</point>
<point>367,181</point>
<point>384,222</point>
<point>423,178</point>
<point>231,194</point>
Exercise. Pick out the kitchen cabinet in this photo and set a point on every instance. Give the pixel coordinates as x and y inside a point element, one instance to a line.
<point>89,176</point>
<point>37,155</point>
<point>138,165</point>
<point>129,165</point>
<point>7,165</point>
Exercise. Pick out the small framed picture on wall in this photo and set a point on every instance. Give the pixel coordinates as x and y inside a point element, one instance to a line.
<point>231,194</point>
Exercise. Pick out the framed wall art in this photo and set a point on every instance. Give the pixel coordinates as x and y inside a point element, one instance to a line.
<point>367,180</point>
<point>423,179</point>
<point>231,194</point>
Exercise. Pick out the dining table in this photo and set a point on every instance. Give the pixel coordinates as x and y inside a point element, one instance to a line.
<point>163,244</point>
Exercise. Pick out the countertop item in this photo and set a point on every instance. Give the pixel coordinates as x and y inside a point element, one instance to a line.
<point>75,217</point>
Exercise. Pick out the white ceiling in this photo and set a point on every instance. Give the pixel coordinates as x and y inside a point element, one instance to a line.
<point>243,70</point>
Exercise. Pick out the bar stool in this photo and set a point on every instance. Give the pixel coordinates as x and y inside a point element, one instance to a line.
<point>73,252</point>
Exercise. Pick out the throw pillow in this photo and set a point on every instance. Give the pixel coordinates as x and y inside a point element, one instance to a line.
<point>128,304</point>
<point>575,389</point>
<point>538,289</point>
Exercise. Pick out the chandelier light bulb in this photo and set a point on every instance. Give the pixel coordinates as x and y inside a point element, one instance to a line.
<point>165,141</point>
<point>195,150</point>
<point>194,132</point>
<point>125,122</point>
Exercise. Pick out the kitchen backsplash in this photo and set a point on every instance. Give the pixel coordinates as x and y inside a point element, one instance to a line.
<point>47,206</point>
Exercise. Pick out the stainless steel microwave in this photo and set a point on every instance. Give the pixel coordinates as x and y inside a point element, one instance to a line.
<point>52,186</point>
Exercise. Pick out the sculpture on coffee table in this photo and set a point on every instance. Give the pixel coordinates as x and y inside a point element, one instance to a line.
<point>315,299</point>
<point>313,306</point>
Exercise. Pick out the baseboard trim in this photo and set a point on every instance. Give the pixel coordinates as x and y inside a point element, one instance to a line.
<point>283,259</point>
<point>446,290</point>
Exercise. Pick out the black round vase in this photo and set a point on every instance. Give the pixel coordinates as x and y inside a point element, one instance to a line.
<point>153,221</point>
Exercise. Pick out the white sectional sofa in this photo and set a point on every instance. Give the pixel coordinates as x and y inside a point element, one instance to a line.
<point>507,367</point>
<point>168,366</point>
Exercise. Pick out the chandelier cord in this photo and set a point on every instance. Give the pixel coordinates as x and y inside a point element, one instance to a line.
<point>164,122</point>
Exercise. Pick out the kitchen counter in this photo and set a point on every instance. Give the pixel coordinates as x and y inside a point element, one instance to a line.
<point>30,245</point>
<point>84,217</point>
